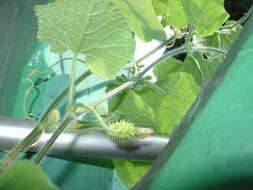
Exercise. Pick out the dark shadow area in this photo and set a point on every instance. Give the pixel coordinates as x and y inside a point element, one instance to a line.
<point>237,8</point>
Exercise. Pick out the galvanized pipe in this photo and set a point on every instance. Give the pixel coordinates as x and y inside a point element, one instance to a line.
<point>90,142</point>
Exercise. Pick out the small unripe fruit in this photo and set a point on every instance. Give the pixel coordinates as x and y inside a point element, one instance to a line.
<point>121,131</point>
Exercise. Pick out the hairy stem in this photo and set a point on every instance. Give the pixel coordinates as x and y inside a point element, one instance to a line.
<point>63,94</point>
<point>71,95</point>
<point>153,86</point>
<point>42,152</point>
<point>170,40</point>
<point>172,53</point>
<point>189,35</point>
<point>22,147</point>
<point>95,113</point>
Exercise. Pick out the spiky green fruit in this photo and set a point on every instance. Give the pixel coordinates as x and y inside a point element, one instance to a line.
<point>121,131</point>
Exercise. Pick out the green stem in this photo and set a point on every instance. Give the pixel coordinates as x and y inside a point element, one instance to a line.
<point>95,113</point>
<point>22,147</point>
<point>209,49</point>
<point>72,82</point>
<point>153,86</point>
<point>189,36</point>
<point>241,21</point>
<point>42,153</point>
<point>66,120</point>
<point>171,39</point>
<point>171,53</point>
<point>61,96</point>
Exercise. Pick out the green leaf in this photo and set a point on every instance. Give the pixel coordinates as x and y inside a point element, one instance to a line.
<point>160,6</point>
<point>206,15</point>
<point>170,108</point>
<point>130,172</point>
<point>171,65</point>
<point>25,175</point>
<point>95,28</point>
<point>200,68</point>
<point>130,106</point>
<point>142,19</point>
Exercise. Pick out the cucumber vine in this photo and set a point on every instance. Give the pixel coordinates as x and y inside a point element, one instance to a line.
<point>104,34</point>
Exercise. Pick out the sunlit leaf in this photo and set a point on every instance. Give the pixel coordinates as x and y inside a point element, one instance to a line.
<point>130,106</point>
<point>206,15</point>
<point>142,19</point>
<point>160,6</point>
<point>171,65</point>
<point>95,28</point>
<point>170,108</point>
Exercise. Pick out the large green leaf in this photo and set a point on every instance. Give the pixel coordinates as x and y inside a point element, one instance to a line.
<point>181,91</point>
<point>130,172</point>
<point>25,175</point>
<point>130,106</point>
<point>200,68</point>
<point>206,15</point>
<point>160,6</point>
<point>95,28</point>
<point>142,19</point>
<point>171,65</point>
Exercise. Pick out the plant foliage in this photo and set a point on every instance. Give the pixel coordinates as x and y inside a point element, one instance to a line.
<point>95,28</point>
<point>103,32</point>
<point>206,15</point>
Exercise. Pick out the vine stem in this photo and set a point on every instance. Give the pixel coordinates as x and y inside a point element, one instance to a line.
<point>189,35</point>
<point>95,113</point>
<point>137,62</point>
<point>23,146</point>
<point>128,84</point>
<point>41,154</point>
<point>72,82</point>
<point>153,86</point>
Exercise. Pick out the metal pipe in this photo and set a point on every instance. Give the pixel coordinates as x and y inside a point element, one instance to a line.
<point>91,142</point>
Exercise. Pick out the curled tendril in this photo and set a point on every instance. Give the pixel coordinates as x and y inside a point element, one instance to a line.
<point>33,84</point>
